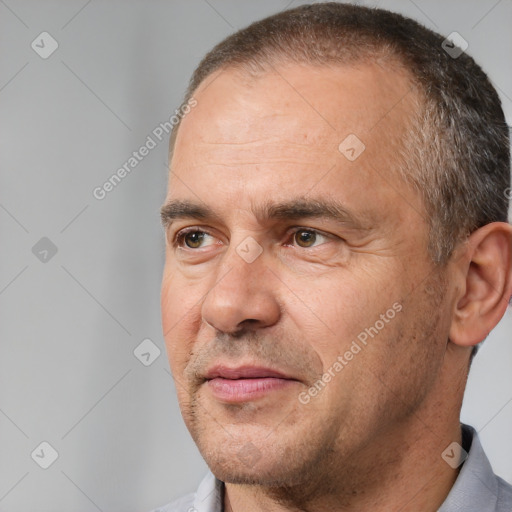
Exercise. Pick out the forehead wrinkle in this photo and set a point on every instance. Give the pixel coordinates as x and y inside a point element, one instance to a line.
<point>274,147</point>
<point>261,141</point>
<point>306,151</point>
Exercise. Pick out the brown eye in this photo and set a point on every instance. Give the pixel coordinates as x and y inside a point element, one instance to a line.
<point>194,239</point>
<point>305,238</point>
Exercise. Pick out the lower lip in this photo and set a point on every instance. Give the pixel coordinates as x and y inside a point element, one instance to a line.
<point>242,390</point>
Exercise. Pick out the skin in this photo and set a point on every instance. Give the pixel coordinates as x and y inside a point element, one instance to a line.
<point>372,438</point>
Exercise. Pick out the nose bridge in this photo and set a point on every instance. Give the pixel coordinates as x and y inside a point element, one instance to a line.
<point>243,266</point>
<point>240,276</point>
<point>242,290</point>
<point>235,276</point>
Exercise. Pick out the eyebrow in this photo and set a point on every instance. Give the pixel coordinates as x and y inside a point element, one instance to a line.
<point>179,209</point>
<point>290,210</point>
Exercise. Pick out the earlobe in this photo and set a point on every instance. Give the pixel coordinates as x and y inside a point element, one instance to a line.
<point>488,284</point>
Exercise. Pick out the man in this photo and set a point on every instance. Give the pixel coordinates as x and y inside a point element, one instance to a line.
<point>337,245</point>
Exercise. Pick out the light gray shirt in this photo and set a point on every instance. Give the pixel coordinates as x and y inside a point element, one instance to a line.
<point>477,488</point>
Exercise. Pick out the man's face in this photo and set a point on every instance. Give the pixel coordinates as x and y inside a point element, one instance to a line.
<point>289,253</point>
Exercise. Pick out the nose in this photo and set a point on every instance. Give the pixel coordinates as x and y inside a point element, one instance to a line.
<point>243,297</point>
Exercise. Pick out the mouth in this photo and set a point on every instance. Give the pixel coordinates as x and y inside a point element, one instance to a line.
<point>245,383</point>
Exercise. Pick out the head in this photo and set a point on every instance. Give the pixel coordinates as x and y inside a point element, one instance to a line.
<point>337,214</point>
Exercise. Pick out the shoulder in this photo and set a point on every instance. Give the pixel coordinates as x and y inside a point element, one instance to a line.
<point>183,504</point>
<point>504,495</point>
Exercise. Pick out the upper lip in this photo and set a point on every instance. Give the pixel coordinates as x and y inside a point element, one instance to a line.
<point>243,372</point>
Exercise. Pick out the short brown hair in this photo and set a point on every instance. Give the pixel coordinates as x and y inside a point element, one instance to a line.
<point>457,155</point>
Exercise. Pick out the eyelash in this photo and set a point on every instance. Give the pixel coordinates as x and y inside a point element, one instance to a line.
<point>180,235</point>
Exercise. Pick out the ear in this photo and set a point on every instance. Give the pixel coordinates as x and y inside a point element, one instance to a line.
<point>487,288</point>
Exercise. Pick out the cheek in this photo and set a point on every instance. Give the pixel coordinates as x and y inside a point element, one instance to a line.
<point>180,304</point>
<point>178,297</point>
<point>168,303</point>
<point>333,309</point>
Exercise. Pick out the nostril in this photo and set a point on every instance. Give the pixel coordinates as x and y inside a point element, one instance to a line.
<point>245,327</point>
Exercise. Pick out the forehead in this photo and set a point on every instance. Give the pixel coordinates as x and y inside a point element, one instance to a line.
<point>285,131</point>
<point>313,103</point>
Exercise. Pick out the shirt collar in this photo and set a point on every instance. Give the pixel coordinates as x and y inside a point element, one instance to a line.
<point>476,487</point>
<point>210,495</point>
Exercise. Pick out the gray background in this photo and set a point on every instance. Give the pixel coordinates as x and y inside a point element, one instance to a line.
<point>69,325</point>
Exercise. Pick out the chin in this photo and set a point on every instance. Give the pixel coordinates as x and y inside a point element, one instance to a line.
<point>238,473</point>
<point>272,466</point>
